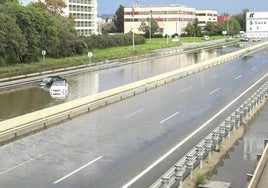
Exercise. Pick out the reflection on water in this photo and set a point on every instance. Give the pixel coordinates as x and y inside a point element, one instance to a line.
<point>243,159</point>
<point>18,102</point>
<point>26,100</point>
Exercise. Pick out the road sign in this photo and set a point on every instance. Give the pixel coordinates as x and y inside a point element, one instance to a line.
<point>257,24</point>
<point>89,54</point>
<point>44,52</point>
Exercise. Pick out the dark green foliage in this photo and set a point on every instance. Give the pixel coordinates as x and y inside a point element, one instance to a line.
<point>106,41</point>
<point>13,43</point>
<point>30,30</point>
<point>212,29</point>
<point>241,18</point>
<point>26,31</point>
<point>192,29</point>
<point>119,19</point>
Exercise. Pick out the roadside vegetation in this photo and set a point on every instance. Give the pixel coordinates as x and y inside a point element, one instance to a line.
<point>27,31</point>
<point>99,55</point>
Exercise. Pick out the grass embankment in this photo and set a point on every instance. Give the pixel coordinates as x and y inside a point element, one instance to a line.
<point>98,56</point>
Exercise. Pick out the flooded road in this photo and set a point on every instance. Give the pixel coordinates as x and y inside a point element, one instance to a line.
<point>243,159</point>
<point>29,99</point>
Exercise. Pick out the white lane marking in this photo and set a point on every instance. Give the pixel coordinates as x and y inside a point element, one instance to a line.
<point>68,175</point>
<point>253,68</point>
<point>214,91</point>
<point>215,76</point>
<point>21,164</point>
<point>188,137</point>
<point>238,77</point>
<point>186,89</point>
<point>169,117</point>
<point>134,113</point>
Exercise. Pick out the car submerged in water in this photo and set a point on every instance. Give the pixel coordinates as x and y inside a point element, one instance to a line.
<point>59,89</point>
<point>48,81</point>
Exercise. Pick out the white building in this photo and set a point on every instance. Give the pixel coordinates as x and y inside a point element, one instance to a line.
<point>85,14</point>
<point>171,19</point>
<point>206,16</point>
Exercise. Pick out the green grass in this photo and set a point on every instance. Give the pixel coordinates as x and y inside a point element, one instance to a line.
<point>99,55</point>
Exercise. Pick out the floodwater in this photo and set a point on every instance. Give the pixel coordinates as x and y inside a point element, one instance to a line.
<point>29,99</point>
<point>235,167</point>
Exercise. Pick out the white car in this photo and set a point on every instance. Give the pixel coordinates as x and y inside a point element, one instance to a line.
<point>256,39</point>
<point>59,89</point>
<point>205,37</point>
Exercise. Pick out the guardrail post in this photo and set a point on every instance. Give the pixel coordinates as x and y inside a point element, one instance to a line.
<point>216,137</point>
<point>208,142</point>
<point>222,132</point>
<point>242,111</point>
<point>233,122</point>
<point>200,155</point>
<point>179,171</point>
<point>228,128</point>
<point>190,164</point>
<point>238,117</point>
<point>165,182</point>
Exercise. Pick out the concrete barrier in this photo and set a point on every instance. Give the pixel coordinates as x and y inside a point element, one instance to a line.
<point>11,128</point>
<point>259,170</point>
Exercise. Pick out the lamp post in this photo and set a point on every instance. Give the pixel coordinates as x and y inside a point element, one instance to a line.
<point>132,29</point>
<point>150,29</point>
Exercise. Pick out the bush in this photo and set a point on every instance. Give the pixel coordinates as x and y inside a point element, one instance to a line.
<point>200,180</point>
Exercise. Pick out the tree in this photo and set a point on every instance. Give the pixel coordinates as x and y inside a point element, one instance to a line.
<point>212,29</point>
<point>108,27</point>
<point>119,19</point>
<point>232,26</point>
<point>149,27</point>
<point>192,29</point>
<point>9,1</point>
<point>13,44</point>
<point>241,18</point>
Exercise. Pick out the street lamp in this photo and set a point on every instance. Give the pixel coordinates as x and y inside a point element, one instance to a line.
<point>150,24</point>
<point>132,29</point>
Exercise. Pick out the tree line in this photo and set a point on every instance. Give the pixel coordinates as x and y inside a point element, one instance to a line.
<point>27,30</point>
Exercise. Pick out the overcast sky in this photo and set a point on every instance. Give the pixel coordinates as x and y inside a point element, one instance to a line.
<point>222,6</point>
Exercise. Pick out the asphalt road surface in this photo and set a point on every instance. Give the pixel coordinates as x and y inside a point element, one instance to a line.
<point>133,142</point>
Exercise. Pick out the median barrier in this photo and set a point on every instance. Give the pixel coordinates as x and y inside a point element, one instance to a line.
<point>52,115</point>
<point>184,167</point>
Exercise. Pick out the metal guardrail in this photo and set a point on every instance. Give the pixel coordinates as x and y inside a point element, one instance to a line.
<point>194,158</point>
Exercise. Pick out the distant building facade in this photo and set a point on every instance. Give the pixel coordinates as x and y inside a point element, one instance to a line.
<point>84,12</point>
<point>206,16</point>
<point>223,18</point>
<point>171,19</point>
